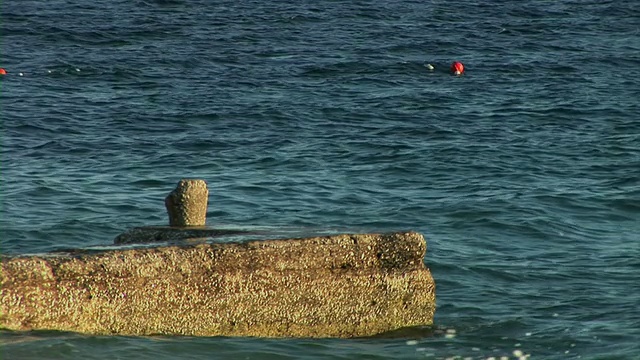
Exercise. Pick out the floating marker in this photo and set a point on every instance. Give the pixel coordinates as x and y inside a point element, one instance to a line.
<point>457,68</point>
<point>3,71</point>
<point>430,67</point>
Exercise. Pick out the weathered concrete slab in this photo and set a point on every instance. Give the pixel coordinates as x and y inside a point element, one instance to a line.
<point>336,286</point>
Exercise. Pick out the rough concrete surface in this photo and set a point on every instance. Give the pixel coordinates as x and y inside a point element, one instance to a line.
<point>187,203</point>
<point>333,286</point>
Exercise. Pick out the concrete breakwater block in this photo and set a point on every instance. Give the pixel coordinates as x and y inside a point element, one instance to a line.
<point>332,286</point>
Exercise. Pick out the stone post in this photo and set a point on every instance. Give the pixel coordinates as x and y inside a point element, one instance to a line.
<point>187,204</point>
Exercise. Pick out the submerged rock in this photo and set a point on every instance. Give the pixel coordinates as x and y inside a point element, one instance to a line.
<point>149,234</point>
<point>332,286</point>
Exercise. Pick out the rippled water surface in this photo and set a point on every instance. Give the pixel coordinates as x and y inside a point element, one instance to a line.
<point>321,116</point>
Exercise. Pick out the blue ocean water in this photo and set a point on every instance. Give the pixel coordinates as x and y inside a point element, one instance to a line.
<point>321,116</point>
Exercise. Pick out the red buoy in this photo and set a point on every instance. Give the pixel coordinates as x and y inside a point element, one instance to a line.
<point>457,68</point>
<point>3,71</point>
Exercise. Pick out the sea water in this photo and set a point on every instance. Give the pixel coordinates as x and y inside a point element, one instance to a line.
<point>324,117</point>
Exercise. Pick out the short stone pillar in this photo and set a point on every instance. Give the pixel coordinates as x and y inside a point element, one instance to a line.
<point>187,204</point>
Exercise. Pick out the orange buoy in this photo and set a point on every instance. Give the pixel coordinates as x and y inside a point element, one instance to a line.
<point>457,68</point>
<point>3,71</point>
